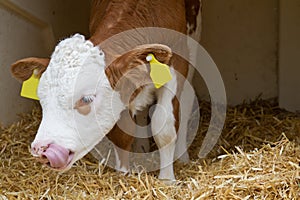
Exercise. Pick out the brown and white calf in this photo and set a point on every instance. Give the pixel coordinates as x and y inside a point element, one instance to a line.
<point>87,85</point>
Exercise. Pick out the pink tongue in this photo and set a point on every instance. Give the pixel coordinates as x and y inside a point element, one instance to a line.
<point>58,156</point>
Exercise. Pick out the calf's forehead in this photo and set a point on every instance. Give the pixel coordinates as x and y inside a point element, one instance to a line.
<point>75,63</point>
<point>73,51</point>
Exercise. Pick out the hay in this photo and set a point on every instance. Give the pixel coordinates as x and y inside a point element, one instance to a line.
<point>257,157</point>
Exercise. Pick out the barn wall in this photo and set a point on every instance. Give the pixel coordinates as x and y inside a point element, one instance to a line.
<point>31,28</point>
<point>289,55</point>
<point>241,37</point>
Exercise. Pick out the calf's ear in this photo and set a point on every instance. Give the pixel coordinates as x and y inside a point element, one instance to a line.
<point>128,73</point>
<point>23,69</point>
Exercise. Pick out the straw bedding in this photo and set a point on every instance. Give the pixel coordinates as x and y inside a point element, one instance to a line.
<point>257,157</point>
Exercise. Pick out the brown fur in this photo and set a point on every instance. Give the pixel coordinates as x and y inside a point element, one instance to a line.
<point>109,18</point>
<point>23,69</point>
<point>131,79</point>
<point>116,16</point>
<point>192,10</point>
<point>123,15</point>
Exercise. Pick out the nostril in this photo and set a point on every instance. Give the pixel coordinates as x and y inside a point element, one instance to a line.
<point>38,149</point>
<point>44,148</point>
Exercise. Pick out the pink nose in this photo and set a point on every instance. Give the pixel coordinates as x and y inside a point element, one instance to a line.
<point>53,154</point>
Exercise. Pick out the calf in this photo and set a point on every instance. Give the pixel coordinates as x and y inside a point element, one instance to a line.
<point>88,86</point>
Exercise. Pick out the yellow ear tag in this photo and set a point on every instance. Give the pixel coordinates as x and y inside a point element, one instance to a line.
<point>29,87</point>
<point>159,72</point>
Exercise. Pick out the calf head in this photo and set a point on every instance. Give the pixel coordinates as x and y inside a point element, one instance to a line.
<point>82,95</point>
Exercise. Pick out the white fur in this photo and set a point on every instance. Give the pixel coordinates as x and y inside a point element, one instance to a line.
<point>76,69</point>
<point>162,124</point>
<point>122,159</point>
<point>143,99</point>
<point>163,128</point>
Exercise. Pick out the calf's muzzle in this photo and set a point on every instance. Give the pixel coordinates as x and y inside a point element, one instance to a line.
<point>54,155</point>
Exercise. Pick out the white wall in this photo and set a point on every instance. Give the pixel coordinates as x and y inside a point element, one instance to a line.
<point>241,36</point>
<point>256,45</point>
<point>32,28</point>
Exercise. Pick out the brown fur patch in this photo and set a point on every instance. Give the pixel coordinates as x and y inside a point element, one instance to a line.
<point>23,69</point>
<point>193,8</point>
<point>123,15</point>
<point>128,73</point>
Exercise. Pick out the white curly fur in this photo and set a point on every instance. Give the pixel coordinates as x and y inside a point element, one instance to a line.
<point>66,63</point>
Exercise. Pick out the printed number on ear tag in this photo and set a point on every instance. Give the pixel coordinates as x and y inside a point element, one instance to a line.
<point>29,87</point>
<point>159,72</point>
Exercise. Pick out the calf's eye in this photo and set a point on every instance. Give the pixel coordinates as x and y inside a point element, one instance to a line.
<point>87,99</point>
<point>83,104</point>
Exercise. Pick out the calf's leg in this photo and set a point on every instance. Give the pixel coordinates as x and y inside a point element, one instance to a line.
<point>163,129</point>
<point>186,104</point>
<point>122,135</point>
